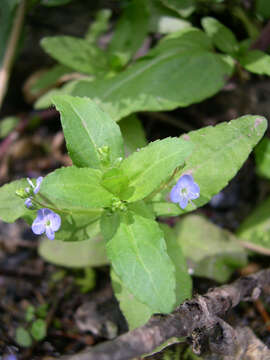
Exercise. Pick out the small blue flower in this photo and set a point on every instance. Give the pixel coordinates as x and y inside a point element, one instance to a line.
<point>35,189</point>
<point>28,202</point>
<point>184,191</point>
<point>46,221</point>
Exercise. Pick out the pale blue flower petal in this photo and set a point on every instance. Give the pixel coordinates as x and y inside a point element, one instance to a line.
<point>193,196</point>
<point>55,220</point>
<point>183,202</point>
<point>30,182</point>
<point>185,190</point>
<point>185,181</point>
<point>194,188</point>
<point>28,203</point>
<point>49,232</point>
<point>194,191</point>
<point>40,215</point>
<point>175,194</point>
<point>38,227</point>
<point>46,221</point>
<point>47,213</point>
<point>37,187</point>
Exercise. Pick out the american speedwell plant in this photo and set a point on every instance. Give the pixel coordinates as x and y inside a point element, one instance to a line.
<point>111,200</point>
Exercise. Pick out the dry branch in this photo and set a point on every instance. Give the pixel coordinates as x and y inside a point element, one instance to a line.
<point>193,317</point>
<point>249,347</point>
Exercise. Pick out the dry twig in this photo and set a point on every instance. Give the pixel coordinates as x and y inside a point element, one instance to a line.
<point>197,318</point>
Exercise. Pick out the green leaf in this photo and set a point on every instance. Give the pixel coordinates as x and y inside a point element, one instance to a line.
<point>74,190</point>
<point>54,2</point>
<point>88,281</point>
<point>151,165</point>
<point>256,227</point>
<point>144,86</point>
<point>42,310</point>
<point>135,312</point>
<point>76,53</point>
<point>87,130</point>
<point>45,100</point>
<point>256,61</point>
<point>188,354</point>
<point>263,8</point>
<point>141,208</point>
<point>7,125</point>
<point>219,152</point>
<point>90,252</point>
<point>78,226</point>
<point>223,38</point>
<point>170,352</point>
<point>133,134</point>
<point>23,337</point>
<point>244,47</point>
<point>11,205</point>
<point>49,78</point>
<point>262,158</point>
<point>165,208</point>
<point>138,255</point>
<point>171,24</point>
<point>184,7</point>
<point>115,181</point>
<point>163,19</point>
<point>183,279</point>
<point>109,224</point>
<point>39,329</point>
<point>110,221</point>
<point>131,29</point>
<point>29,313</point>
<point>215,257</point>
<point>99,26</point>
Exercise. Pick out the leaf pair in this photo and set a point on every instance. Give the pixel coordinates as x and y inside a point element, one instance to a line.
<point>100,179</point>
<point>255,61</point>
<point>83,54</point>
<point>88,130</point>
<point>177,60</point>
<point>135,243</point>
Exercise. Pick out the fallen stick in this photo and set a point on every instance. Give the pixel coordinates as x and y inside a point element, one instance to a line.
<point>249,346</point>
<point>193,317</point>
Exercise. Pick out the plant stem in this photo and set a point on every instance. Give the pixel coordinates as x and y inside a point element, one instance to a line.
<point>11,48</point>
<point>257,248</point>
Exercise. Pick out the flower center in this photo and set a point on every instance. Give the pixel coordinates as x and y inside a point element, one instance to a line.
<point>48,223</point>
<point>184,192</point>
